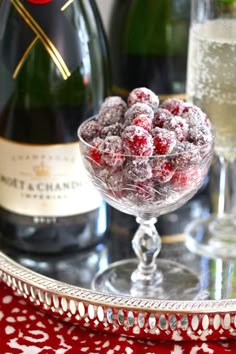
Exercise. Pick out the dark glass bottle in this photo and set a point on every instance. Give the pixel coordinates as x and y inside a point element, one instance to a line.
<point>54,73</point>
<point>148,44</point>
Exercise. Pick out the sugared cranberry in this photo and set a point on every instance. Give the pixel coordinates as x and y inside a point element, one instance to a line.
<point>174,105</point>
<point>160,117</point>
<point>141,192</point>
<point>91,130</point>
<point>94,153</point>
<point>143,121</point>
<point>137,141</point>
<point>113,180</point>
<point>112,151</point>
<point>136,110</point>
<point>185,155</point>
<point>185,179</point>
<point>163,141</point>
<point>144,95</point>
<point>112,111</point>
<point>113,129</point>
<point>162,170</point>
<point>200,135</point>
<point>137,170</point>
<point>179,126</point>
<point>193,115</point>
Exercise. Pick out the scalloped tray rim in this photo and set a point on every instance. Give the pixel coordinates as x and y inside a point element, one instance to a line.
<point>53,286</point>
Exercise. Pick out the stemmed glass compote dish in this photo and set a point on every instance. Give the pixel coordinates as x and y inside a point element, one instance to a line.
<point>211,85</point>
<point>147,160</point>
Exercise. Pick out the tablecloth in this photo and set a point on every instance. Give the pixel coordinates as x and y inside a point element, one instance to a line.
<point>25,330</point>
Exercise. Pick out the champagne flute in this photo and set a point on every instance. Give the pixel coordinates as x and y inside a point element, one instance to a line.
<point>211,85</point>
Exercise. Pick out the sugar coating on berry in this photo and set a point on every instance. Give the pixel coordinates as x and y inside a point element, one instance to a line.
<point>112,110</point>
<point>141,192</point>
<point>136,110</point>
<point>112,151</point>
<point>193,115</point>
<point>200,135</point>
<point>162,170</point>
<point>113,101</point>
<point>94,152</point>
<point>144,95</point>
<point>91,130</point>
<point>112,178</point>
<point>186,179</point>
<point>185,155</point>
<point>143,121</point>
<point>174,105</point>
<point>160,117</point>
<point>137,141</point>
<point>179,126</point>
<point>163,141</point>
<point>137,170</point>
<point>113,129</point>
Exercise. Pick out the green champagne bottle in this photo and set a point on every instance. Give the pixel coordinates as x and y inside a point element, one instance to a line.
<point>54,73</point>
<point>148,45</point>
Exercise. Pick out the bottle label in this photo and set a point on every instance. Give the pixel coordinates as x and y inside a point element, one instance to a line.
<point>47,24</point>
<point>45,180</point>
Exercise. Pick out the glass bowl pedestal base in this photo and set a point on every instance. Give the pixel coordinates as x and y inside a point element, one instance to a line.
<point>147,276</point>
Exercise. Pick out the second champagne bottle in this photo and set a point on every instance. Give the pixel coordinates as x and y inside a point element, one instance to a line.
<point>148,41</point>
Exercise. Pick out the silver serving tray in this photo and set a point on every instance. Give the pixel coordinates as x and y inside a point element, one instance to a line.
<point>60,287</point>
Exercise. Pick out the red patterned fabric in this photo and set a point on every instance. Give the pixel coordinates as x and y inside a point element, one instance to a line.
<point>24,330</point>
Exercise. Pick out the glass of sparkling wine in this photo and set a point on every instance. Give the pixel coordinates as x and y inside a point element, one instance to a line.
<point>211,85</point>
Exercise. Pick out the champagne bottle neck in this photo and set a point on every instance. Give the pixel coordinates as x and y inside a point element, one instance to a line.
<point>34,27</point>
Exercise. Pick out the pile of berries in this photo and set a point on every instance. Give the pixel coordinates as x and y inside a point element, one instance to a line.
<point>146,147</point>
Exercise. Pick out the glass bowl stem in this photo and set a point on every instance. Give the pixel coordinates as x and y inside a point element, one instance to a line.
<point>146,244</point>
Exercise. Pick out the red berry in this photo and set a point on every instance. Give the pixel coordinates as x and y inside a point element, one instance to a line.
<point>144,95</point>
<point>136,110</point>
<point>179,126</point>
<point>112,151</point>
<point>113,180</point>
<point>160,117</point>
<point>143,121</point>
<point>162,170</point>
<point>90,130</point>
<point>112,111</point>
<point>163,141</point>
<point>185,155</point>
<point>200,135</point>
<point>193,115</point>
<point>137,170</point>
<point>174,105</point>
<point>137,141</point>
<point>113,129</point>
<point>141,192</point>
<point>186,179</point>
<point>95,154</point>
